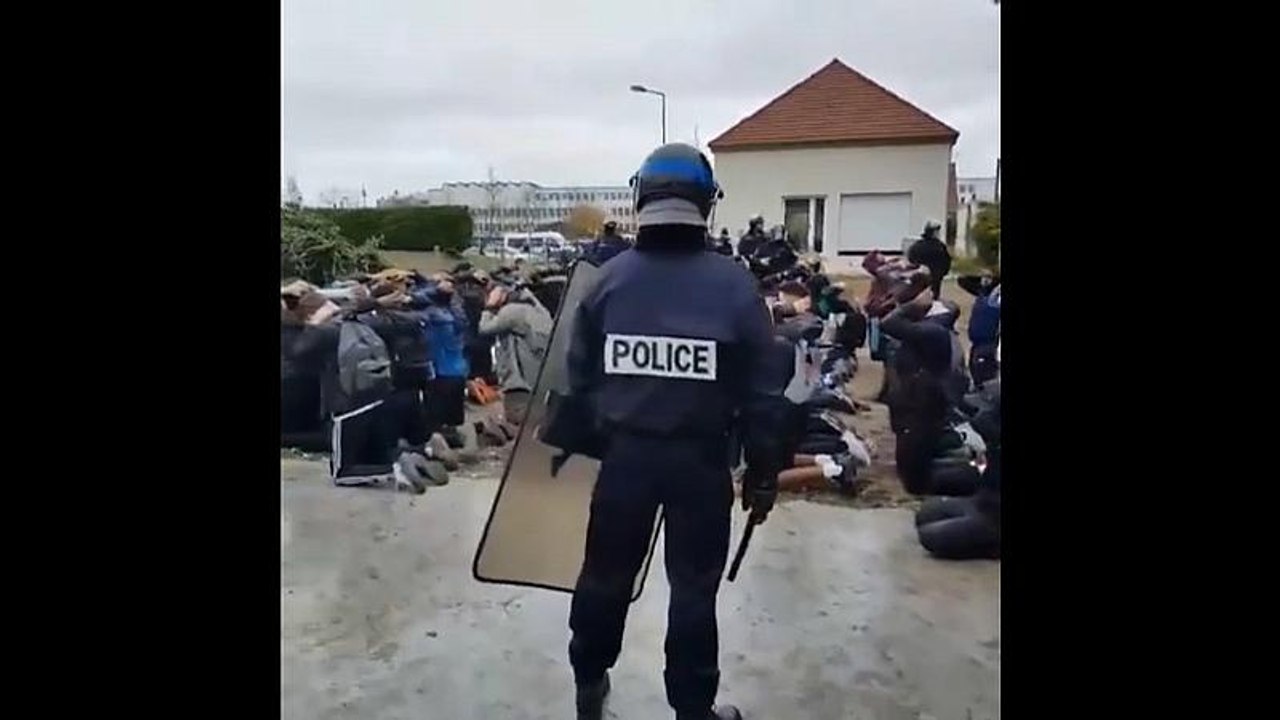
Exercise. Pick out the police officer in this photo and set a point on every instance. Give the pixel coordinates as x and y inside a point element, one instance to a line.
<point>609,243</point>
<point>753,238</point>
<point>775,255</point>
<point>666,371</point>
<point>723,244</point>
<point>932,253</point>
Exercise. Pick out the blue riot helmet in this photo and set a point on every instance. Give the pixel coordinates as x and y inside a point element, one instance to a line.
<point>678,171</point>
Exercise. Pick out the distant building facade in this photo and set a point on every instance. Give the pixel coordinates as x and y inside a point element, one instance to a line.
<point>976,189</point>
<point>343,198</point>
<point>972,192</point>
<point>502,207</point>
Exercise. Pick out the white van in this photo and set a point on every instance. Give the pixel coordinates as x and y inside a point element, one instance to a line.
<point>535,246</point>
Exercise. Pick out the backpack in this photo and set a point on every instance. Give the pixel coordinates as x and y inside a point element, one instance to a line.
<point>364,366</point>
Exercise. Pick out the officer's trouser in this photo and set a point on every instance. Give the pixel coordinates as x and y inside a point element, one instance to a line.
<point>690,480</point>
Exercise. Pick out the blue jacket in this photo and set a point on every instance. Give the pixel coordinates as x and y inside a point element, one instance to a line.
<point>446,328</point>
<point>984,319</point>
<point>447,336</point>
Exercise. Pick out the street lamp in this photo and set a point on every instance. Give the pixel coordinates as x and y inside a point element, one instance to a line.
<point>659,93</point>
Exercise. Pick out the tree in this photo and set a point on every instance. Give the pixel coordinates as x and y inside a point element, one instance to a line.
<point>986,234</point>
<point>313,249</point>
<point>292,195</point>
<point>584,221</point>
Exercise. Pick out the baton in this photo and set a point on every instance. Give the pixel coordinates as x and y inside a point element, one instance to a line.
<point>752,521</point>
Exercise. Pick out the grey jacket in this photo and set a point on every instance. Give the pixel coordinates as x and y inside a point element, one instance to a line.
<point>522,329</point>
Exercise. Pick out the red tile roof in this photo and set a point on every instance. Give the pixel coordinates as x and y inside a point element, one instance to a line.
<point>836,105</point>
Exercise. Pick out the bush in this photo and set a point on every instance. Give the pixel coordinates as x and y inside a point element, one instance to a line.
<point>313,249</point>
<point>986,234</point>
<point>407,228</point>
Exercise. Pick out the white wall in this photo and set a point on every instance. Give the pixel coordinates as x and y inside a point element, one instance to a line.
<point>757,181</point>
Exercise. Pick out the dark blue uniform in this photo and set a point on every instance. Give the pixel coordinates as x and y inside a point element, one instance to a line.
<point>668,372</point>
<point>605,247</point>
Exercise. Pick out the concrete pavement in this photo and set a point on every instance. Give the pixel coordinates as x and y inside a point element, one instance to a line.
<point>837,614</point>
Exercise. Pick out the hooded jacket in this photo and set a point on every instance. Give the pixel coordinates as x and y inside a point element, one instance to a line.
<point>522,330</point>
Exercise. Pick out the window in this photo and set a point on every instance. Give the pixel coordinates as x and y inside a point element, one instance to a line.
<point>819,220</point>
<point>803,219</point>
<point>795,218</point>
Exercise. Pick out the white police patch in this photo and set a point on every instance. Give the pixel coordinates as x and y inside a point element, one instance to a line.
<point>656,356</point>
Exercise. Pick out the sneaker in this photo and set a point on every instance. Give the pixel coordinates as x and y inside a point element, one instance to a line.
<point>438,449</point>
<point>510,429</point>
<point>848,482</point>
<point>407,476</point>
<point>435,472</point>
<point>490,433</point>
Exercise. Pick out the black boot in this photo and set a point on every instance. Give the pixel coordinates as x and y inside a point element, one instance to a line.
<point>591,699</point>
<point>722,712</point>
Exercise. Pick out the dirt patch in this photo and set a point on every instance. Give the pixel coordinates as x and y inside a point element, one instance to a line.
<point>881,487</point>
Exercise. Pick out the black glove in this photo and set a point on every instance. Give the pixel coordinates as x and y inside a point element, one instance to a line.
<point>759,491</point>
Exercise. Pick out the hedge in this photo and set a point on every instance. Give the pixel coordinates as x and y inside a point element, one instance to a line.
<point>406,228</point>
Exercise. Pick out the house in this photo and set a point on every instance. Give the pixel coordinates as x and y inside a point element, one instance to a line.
<point>844,163</point>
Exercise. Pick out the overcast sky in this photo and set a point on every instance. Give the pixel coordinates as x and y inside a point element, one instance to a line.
<point>407,94</point>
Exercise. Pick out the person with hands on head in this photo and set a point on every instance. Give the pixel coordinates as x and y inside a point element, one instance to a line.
<point>920,395</point>
<point>521,327</point>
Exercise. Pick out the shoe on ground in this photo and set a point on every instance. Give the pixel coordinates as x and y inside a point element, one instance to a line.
<point>435,473</point>
<point>408,475</point>
<point>590,699</point>
<point>510,429</point>
<point>722,712</point>
<point>438,449</point>
<point>490,433</point>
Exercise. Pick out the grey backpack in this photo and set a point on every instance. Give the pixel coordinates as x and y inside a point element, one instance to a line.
<point>364,365</point>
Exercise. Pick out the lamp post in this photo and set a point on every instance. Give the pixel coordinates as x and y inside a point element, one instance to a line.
<point>659,93</point>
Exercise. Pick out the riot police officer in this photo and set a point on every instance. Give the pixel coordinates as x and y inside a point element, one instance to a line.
<point>775,255</point>
<point>609,243</point>
<point>753,238</point>
<point>723,244</point>
<point>932,253</point>
<point>666,372</point>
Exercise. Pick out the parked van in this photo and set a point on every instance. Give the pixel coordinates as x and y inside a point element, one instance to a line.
<point>535,245</point>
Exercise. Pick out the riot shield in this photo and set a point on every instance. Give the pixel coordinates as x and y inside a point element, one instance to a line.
<point>537,529</point>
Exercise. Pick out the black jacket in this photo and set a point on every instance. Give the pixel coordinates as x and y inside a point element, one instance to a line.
<point>919,399</point>
<point>933,254</point>
<point>750,242</point>
<point>774,256</point>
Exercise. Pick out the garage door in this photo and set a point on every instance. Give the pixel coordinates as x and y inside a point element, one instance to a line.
<point>878,221</point>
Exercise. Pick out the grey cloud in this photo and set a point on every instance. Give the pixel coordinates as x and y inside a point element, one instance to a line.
<point>405,94</point>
